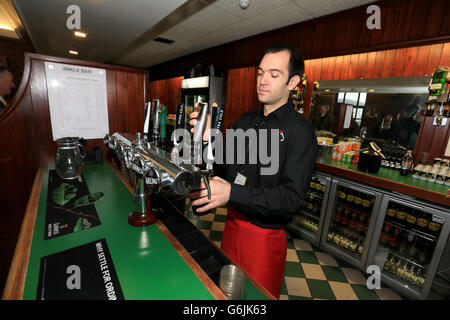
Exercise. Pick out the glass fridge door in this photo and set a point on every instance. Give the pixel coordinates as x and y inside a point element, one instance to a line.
<point>309,218</point>
<point>407,240</point>
<point>350,220</point>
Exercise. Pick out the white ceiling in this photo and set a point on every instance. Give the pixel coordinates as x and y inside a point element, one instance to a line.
<point>112,25</point>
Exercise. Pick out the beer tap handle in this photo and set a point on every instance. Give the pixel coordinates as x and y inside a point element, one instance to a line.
<point>180,119</point>
<point>155,119</point>
<point>147,113</point>
<point>198,132</point>
<point>217,117</point>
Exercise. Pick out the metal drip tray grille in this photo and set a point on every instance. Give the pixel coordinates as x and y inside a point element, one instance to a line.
<point>193,241</point>
<point>177,224</point>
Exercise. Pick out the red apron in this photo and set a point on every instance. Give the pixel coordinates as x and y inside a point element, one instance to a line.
<point>259,251</point>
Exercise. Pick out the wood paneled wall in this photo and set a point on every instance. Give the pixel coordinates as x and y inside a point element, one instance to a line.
<point>26,141</point>
<point>168,91</point>
<point>404,23</point>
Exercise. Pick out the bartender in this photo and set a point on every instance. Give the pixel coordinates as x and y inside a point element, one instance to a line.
<point>259,206</point>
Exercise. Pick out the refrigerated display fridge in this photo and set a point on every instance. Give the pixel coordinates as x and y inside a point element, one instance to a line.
<point>308,221</point>
<point>350,221</point>
<point>408,243</point>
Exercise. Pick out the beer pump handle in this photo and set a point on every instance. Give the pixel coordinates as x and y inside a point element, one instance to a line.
<point>147,112</point>
<point>217,117</point>
<point>199,128</point>
<point>155,119</point>
<point>180,119</point>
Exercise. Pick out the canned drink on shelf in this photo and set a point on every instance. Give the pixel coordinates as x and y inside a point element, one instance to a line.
<point>445,163</point>
<point>415,172</point>
<point>437,162</point>
<point>424,172</point>
<point>442,174</point>
<point>432,174</point>
<point>447,178</point>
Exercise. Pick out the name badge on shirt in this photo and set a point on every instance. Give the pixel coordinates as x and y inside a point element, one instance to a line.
<point>240,179</point>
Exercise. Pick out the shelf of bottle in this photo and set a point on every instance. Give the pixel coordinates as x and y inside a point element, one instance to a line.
<point>404,258</point>
<point>315,194</point>
<point>309,214</point>
<point>342,239</point>
<point>413,231</point>
<point>349,231</point>
<point>304,223</point>
<point>403,270</point>
<point>353,206</point>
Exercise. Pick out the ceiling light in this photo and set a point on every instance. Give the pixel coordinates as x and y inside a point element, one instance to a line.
<point>79,34</point>
<point>6,27</point>
<point>73,52</point>
<point>243,4</point>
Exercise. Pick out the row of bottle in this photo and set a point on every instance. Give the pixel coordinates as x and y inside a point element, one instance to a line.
<point>314,196</point>
<point>411,218</point>
<point>306,223</point>
<point>407,244</point>
<point>313,202</point>
<point>435,108</point>
<point>399,160</point>
<point>404,269</point>
<point>347,217</point>
<point>317,185</point>
<point>346,241</point>
<point>393,159</point>
<point>356,199</point>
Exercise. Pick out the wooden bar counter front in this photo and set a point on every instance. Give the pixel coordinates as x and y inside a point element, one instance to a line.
<point>149,261</point>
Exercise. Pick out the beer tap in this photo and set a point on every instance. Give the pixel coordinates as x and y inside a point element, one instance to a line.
<point>155,118</point>
<point>147,114</point>
<point>216,114</point>
<point>154,171</point>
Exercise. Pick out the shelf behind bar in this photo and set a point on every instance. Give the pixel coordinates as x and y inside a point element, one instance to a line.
<point>389,179</point>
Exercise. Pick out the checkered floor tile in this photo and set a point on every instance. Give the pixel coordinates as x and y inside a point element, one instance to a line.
<point>309,272</point>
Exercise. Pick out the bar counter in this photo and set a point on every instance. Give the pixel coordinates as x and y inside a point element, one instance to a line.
<point>149,261</point>
<point>389,179</point>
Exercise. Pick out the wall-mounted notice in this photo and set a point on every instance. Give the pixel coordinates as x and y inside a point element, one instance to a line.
<point>77,101</point>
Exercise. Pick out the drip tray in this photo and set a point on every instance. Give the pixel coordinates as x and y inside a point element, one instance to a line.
<point>193,241</point>
<point>208,257</point>
<point>211,261</point>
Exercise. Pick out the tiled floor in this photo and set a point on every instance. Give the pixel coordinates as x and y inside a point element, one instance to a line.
<point>309,272</point>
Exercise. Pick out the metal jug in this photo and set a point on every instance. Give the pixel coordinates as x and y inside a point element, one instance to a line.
<point>70,158</point>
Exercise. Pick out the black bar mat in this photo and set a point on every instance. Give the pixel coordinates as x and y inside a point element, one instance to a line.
<point>82,273</point>
<point>70,206</point>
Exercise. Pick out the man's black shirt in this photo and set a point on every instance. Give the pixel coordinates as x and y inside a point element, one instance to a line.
<point>270,201</point>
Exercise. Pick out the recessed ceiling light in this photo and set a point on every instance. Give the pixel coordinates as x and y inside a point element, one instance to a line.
<point>73,52</point>
<point>79,34</point>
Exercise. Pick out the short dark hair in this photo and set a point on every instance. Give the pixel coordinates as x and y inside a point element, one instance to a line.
<point>296,62</point>
<point>2,69</point>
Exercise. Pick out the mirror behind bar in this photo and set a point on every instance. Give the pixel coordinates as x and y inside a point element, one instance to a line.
<point>388,110</point>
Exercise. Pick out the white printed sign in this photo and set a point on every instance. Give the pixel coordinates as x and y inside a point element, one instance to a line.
<point>77,100</point>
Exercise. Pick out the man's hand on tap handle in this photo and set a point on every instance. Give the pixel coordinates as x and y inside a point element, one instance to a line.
<point>220,188</point>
